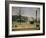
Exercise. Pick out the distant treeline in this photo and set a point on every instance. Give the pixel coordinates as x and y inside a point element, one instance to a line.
<point>22,19</point>
<point>19,18</point>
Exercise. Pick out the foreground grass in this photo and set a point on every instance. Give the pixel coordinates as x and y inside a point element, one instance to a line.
<point>23,26</point>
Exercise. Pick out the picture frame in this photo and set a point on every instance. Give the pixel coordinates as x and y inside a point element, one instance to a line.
<point>12,6</point>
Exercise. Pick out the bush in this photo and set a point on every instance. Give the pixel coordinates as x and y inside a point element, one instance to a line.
<point>31,22</point>
<point>38,27</point>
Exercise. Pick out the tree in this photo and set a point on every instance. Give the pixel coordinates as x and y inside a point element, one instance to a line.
<point>19,15</point>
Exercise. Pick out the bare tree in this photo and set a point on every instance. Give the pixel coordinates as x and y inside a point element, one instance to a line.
<point>20,14</point>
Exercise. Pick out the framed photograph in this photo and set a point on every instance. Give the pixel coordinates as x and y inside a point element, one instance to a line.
<point>24,18</point>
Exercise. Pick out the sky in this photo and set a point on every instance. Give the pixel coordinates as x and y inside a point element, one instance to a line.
<point>26,11</point>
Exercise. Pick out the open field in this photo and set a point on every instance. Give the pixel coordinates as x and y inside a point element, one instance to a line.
<point>23,26</point>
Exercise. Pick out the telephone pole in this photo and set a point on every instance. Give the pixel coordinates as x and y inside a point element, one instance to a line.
<point>36,16</point>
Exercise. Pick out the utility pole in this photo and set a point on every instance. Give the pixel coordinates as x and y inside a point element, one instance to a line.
<point>36,16</point>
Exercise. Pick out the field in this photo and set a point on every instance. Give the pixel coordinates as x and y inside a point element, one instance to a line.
<point>17,26</point>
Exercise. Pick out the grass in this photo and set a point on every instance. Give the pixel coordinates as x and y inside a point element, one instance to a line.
<point>23,26</point>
